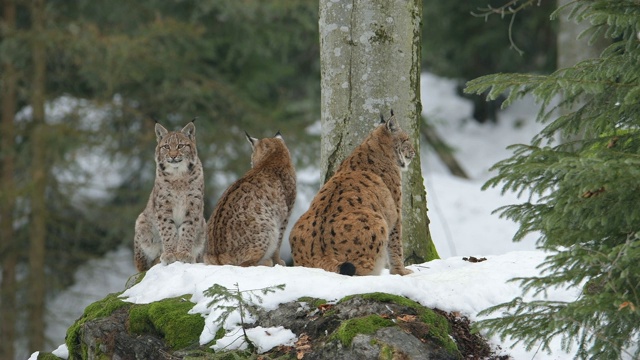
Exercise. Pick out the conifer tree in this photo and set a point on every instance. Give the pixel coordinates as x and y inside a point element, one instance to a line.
<point>584,193</point>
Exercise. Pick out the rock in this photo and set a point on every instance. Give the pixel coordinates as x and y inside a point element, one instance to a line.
<point>109,336</point>
<point>367,326</point>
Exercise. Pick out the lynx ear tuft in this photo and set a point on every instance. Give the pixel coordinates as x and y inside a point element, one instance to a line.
<point>160,132</point>
<point>251,140</point>
<point>279,135</point>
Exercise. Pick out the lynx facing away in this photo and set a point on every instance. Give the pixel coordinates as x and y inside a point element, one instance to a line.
<point>354,223</point>
<point>172,225</point>
<point>248,223</point>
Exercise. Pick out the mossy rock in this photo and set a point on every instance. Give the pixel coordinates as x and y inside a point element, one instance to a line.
<point>363,325</point>
<point>313,302</point>
<point>437,330</point>
<point>169,318</point>
<point>98,309</point>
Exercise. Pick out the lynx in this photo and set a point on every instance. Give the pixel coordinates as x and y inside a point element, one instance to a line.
<point>248,223</point>
<point>354,223</point>
<point>172,226</point>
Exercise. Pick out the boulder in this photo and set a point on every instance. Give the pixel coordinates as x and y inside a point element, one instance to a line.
<point>365,326</point>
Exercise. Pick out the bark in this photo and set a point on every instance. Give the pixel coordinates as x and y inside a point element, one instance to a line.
<point>8,250</point>
<point>572,49</point>
<point>36,287</point>
<point>370,63</point>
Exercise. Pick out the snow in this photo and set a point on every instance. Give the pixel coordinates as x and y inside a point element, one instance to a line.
<point>451,285</point>
<point>462,224</point>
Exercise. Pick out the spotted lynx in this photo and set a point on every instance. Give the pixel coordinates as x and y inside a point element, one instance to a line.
<point>248,223</point>
<point>171,228</point>
<point>354,223</point>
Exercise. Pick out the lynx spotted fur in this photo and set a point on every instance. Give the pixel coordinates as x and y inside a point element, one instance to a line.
<point>172,226</point>
<point>354,223</point>
<point>248,223</point>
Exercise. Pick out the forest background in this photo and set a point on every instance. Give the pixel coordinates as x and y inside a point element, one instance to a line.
<point>83,82</point>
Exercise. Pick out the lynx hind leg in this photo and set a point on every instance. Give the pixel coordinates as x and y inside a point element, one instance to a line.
<point>146,251</point>
<point>365,235</point>
<point>255,257</point>
<point>266,250</point>
<point>395,251</point>
<point>210,259</point>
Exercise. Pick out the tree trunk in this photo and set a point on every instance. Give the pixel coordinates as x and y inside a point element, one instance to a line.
<point>572,50</point>
<point>8,250</point>
<point>370,63</point>
<point>38,174</point>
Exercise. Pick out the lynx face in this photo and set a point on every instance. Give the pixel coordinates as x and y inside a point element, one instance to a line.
<point>354,223</point>
<point>405,153</point>
<point>176,150</point>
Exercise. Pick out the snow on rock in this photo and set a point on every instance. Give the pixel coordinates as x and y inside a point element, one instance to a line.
<point>451,285</point>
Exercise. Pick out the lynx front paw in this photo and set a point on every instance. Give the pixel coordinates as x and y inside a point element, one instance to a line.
<point>185,257</point>
<point>167,258</point>
<point>402,271</point>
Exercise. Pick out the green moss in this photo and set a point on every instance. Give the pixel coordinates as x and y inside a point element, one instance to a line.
<point>362,325</point>
<point>386,353</point>
<point>313,302</point>
<point>47,356</point>
<point>98,309</point>
<point>386,298</point>
<point>169,318</point>
<point>439,327</point>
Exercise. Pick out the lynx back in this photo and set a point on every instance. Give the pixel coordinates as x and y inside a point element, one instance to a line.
<point>354,223</point>
<point>172,226</point>
<point>248,223</point>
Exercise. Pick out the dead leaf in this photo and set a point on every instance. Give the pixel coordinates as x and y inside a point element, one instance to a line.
<point>628,304</point>
<point>302,346</point>
<point>407,318</point>
<point>587,194</point>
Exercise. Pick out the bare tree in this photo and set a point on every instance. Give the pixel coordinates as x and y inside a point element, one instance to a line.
<point>370,63</point>
<point>38,231</point>
<point>8,251</point>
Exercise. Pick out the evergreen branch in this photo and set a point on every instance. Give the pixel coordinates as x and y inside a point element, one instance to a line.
<point>241,301</point>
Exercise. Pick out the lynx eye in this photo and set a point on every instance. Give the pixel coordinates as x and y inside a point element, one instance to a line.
<point>166,147</point>
<point>180,146</point>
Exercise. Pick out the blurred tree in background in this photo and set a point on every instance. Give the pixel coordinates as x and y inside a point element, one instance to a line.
<point>89,77</point>
<point>461,43</point>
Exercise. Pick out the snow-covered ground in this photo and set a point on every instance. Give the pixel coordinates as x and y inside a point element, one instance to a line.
<point>461,225</point>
